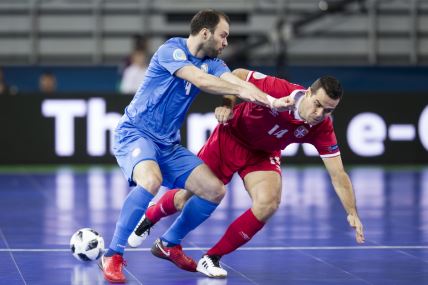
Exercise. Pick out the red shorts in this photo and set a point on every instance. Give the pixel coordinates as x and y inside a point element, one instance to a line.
<point>225,155</point>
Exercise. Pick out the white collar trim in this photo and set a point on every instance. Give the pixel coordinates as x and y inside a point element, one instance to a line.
<point>297,95</point>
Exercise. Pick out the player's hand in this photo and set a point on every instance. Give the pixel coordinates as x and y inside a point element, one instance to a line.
<point>223,114</point>
<point>354,221</point>
<point>283,104</point>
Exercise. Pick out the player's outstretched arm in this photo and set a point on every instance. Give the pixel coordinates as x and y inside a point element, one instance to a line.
<point>239,77</point>
<point>207,82</point>
<point>231,85</point>
<point>343,187</point>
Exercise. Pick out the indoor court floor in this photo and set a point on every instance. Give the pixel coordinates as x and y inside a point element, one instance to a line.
<point>308,241</point>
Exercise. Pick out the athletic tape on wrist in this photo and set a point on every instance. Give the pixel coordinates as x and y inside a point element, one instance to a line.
<point>271,101</point>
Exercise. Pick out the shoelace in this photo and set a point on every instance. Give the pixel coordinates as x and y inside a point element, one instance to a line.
<point>213,261</point>
<point>147,231</point>
<point>119,260</point>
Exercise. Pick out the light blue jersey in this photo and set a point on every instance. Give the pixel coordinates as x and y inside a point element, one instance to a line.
<point>150,127</point>
<point>160,104</point>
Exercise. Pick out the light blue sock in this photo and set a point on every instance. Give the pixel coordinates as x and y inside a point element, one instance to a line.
<point>194,213</point>
<point>132,210</point>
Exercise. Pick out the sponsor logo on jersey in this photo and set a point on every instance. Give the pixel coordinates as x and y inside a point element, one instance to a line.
<point>179,54</point>
<point>136,152</point>
<point>275,161</point>
<point>204,67</point>
<point>333,148</point>
<point>300,132</point>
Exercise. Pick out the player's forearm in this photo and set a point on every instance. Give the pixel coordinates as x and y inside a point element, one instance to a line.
<point>244,90</point>
<point>260,98</point>
<point>216,86</point>
<point>343,187</point>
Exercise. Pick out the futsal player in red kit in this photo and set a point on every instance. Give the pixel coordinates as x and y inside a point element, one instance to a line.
<point>249,140</point>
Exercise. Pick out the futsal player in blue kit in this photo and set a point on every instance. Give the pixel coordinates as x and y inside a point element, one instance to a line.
<point>147,138</point>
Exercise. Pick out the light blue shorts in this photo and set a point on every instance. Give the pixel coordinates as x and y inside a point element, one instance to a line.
<point>175,161</point>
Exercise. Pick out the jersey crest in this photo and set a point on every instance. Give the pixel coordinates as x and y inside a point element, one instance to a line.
<point>300,132</point>
<point>179,55</point>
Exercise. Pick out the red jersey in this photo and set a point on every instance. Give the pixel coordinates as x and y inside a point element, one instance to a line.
<point>260,128</point>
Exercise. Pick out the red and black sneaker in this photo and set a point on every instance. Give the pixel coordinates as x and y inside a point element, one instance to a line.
<point>174,254</point>
<point>112,267</point>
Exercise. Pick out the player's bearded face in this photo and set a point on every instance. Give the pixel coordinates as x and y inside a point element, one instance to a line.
<point>317,106</point>
<point>217,39</point>
<point>211,47</point>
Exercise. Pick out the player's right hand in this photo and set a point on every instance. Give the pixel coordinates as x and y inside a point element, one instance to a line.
<point>284,104</point>
<point>223,114</point>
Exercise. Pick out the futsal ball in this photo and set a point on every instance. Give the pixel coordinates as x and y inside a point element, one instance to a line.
<point>87,245</point>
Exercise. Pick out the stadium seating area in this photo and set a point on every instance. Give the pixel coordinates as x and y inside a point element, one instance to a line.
<point>310,31</point>
<point>296,39</point>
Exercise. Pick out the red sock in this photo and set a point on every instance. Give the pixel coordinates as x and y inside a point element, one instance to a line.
<point>238,233</point>
<point>164,207</point>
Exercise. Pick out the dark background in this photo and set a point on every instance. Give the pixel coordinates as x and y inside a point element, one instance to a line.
<point>28,137</point>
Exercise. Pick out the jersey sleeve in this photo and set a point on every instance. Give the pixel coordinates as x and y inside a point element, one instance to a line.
<point>324,140</point>
<point>172,57</point>
<point>218,67</point>
<point>275,87</point>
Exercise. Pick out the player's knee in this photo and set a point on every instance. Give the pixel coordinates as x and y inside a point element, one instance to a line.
<point>181,198</point>
<point>273,207</point>
<point>150,182</point>
<point>269,208</point>
<point>215,191</point>
<point>266,208</point>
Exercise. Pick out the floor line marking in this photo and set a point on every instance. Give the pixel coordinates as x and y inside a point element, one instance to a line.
<point>401,251</point>
<point>133,276</point>
<point>256,248</point>
<point>319,259</point>
<point>3,237</point>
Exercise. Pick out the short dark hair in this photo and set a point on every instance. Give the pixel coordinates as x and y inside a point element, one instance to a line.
<point>331,85</point>
<point>208,18</point>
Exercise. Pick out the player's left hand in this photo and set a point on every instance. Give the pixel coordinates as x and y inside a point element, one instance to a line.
<point>223,114</point>
<point>283,104</point>
<point>354,221</point>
